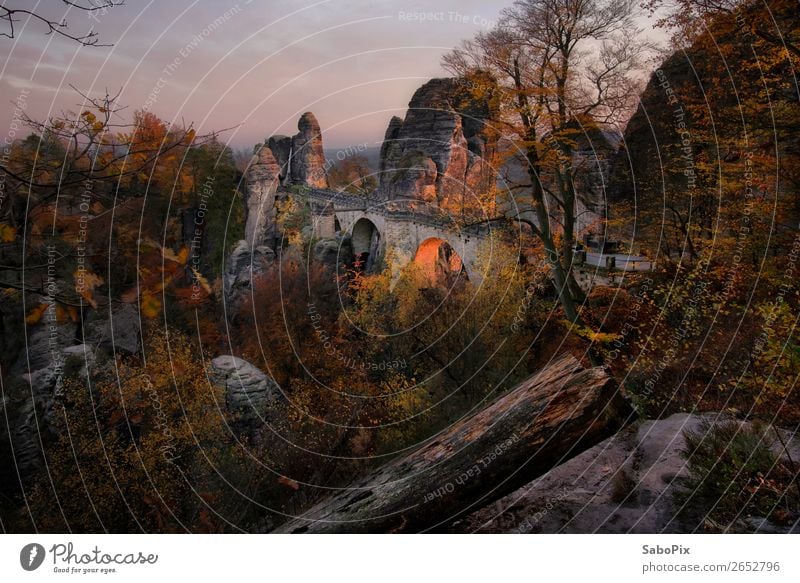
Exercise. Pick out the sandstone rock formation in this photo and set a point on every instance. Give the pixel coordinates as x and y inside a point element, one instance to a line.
<point>44,343</point>
<point>281,147</point>
<point>244,264</point>
<point>28,405</point>
<point>308,159</point>
<point>440,151</point>
<point>688,121</point>
<point>334,252</point>
<point>621,485</point>
<point>592,157</point>
<point>261,183</point>
<point>281,161</point>
<point>116,327</point>
<point>249,393</point>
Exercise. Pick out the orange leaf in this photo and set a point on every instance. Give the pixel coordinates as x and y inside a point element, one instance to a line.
<point>36,314</point>
<point>85,284</point>
<point>61,314</point>
<point>288,482</point>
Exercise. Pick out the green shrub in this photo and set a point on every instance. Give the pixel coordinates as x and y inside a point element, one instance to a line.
<point>734,473</point>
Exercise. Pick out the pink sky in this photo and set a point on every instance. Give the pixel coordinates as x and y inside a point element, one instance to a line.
<point>256,64</point>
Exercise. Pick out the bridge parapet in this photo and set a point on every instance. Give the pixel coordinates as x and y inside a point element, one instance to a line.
<point>395,210</point>
<point>399,226</point>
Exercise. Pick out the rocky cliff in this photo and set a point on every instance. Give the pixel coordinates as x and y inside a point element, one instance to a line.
<point>261,184</point>
<point>307,163</point>
<point>300,158</point>
<point>441,150</point>
<point>281,161</point>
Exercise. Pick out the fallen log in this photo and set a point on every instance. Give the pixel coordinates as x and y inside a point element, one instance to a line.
<point>547,419</point>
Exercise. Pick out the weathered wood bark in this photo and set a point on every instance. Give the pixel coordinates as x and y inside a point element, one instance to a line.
<point>554,415</point>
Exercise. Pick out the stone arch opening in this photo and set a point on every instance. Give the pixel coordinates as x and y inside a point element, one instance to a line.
<point>337,226</point>
<point>366,243</point>
<point>440,263</point>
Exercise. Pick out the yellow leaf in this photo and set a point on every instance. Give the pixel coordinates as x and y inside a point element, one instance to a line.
<point>7,233</point>
<point>179,258</point>
<point>151,305</point>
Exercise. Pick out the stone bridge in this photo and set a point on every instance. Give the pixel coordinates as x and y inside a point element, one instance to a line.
<point>408,230</point>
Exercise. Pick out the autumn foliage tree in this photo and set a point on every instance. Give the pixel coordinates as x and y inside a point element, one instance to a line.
<point>353,175</point>
<point>147,449</point>
<point>720,212</point>
<point>550,93</point>
<point>92,194</point>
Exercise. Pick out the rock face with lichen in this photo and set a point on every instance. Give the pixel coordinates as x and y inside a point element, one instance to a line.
<point>440,151</point>
<point>624,484</point>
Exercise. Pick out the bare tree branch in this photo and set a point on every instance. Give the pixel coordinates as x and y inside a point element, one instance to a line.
<point>59,28</point>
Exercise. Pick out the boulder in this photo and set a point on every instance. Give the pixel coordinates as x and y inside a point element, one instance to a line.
<point>622,485</point>
<point>116,327</point>
<point>334,252</point>
<point>244,264</point>
<point>46,339</point>
<point>24,437</point>
<point>82,355</point>
<point>29,406</point>
<point>249,393</point>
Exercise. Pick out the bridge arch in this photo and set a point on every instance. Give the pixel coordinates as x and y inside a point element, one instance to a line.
<point>366,239</point>
<point>440,263</point>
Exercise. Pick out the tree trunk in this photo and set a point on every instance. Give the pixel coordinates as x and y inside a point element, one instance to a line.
<point>547,419</point>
